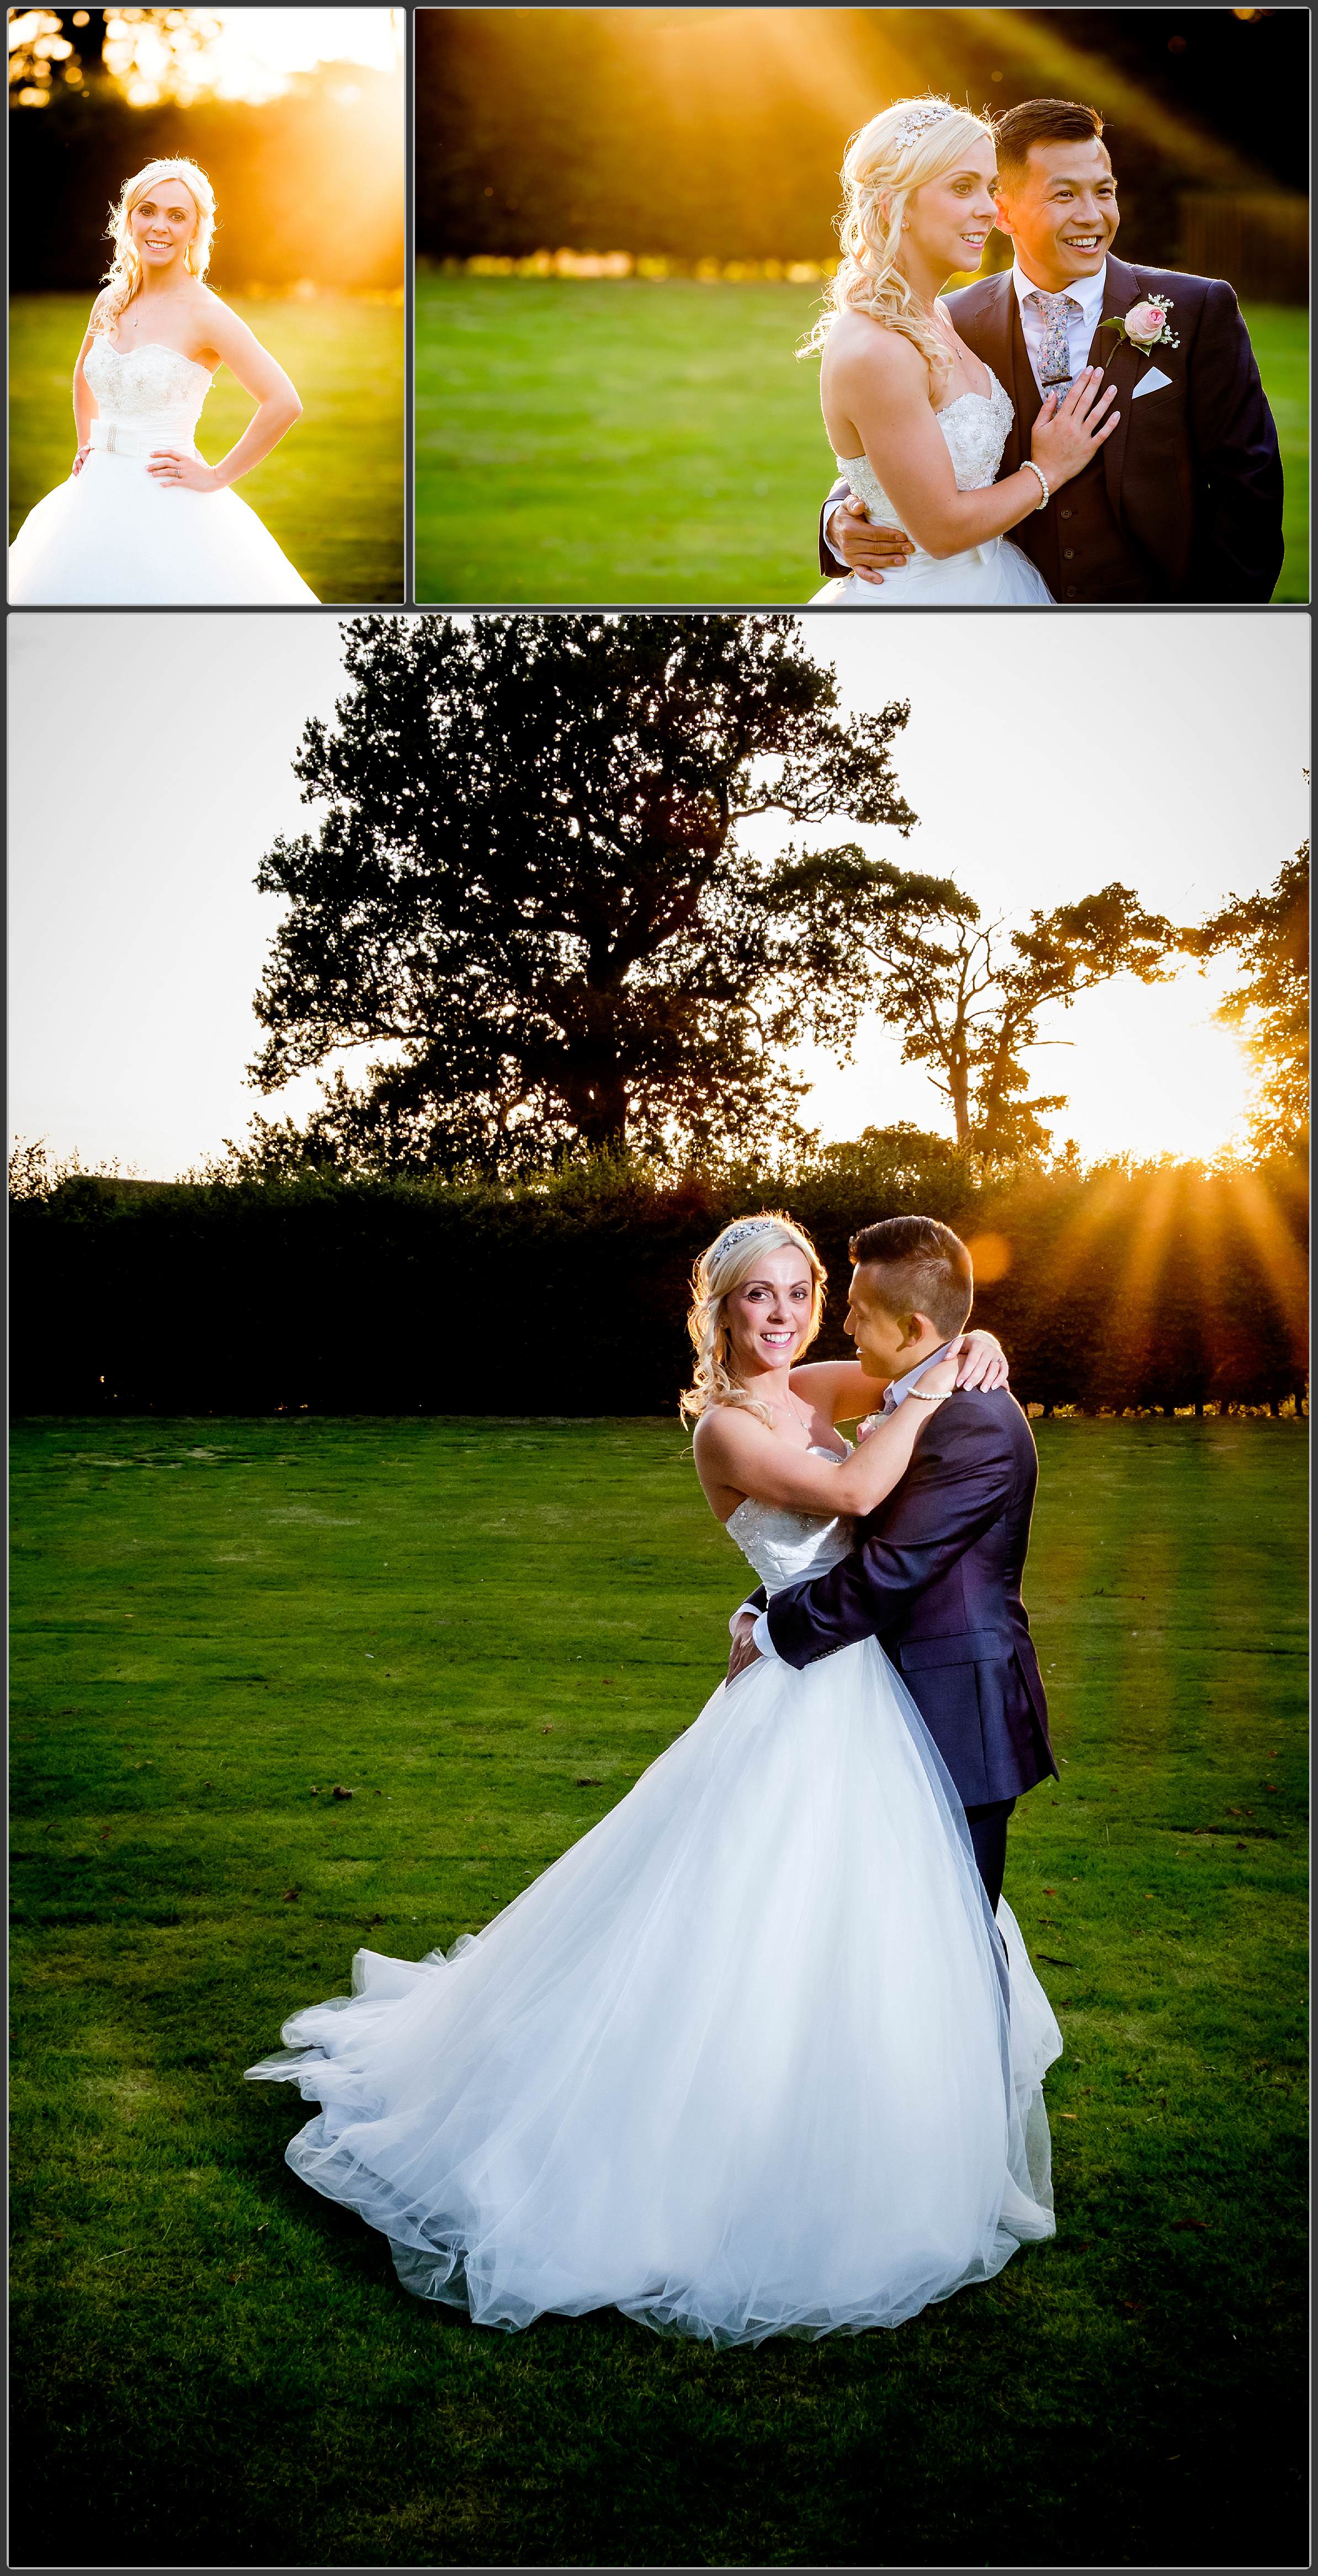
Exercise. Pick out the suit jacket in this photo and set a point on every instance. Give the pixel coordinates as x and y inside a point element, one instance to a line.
<point>936,1575</point>
<point>1187,493</point>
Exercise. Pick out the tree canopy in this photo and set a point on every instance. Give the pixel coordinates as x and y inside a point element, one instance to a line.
<point>532,890</point>
<point>1268,933</point>
<point>969,996</point>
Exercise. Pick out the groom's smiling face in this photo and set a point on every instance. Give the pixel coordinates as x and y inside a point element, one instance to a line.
<point>1060,207</point>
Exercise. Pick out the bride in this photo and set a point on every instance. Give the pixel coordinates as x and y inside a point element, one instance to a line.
<point>142,519</point>
<point>918,423</point>
<point>748,2059</point>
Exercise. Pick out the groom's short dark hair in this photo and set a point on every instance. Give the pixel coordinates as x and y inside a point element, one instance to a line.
<point>1043,120</point>
<point>926,1269</point>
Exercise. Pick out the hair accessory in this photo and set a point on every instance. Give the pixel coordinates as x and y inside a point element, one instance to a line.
<point>738,1233</point>
<point>927,112</point>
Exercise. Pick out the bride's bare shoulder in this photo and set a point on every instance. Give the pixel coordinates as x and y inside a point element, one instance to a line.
<point>721,1431</point>
<point>707,1438</point>
<point>861,346</point>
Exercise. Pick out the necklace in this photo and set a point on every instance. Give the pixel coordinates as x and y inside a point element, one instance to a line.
<point>801,1411</point>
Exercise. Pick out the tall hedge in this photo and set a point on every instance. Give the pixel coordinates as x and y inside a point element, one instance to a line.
<point>1117,1288</point>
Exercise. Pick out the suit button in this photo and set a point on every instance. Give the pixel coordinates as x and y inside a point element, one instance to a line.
<point>1071,591</point>
<point>1068,554</point>
<point>1066,514</point>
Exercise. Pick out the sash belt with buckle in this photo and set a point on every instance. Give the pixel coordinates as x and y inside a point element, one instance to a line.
<point>117,439</point>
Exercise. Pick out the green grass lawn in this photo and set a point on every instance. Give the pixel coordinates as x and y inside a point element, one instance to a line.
<point>331,492</point>
<point>623,440</point>
<point>457,1620</point>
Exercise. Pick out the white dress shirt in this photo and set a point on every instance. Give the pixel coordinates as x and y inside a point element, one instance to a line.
<point>1086,293</point>
<point>894,1394</point>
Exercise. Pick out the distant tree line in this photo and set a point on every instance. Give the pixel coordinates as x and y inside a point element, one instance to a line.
<point>1150,1288</point>
<point>663,130</point>
<point>301,192</point>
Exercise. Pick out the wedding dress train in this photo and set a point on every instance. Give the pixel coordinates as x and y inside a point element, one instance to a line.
<point>995,574</point>
<point>745,2061</point>
<point>113,535</point>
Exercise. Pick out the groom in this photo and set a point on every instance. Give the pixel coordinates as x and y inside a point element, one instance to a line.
<point>935,1573</point>
<point>1183,502</point>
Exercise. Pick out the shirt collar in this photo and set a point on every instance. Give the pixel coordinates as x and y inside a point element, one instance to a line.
<point>901,1387</point>
<point>1087,292</point>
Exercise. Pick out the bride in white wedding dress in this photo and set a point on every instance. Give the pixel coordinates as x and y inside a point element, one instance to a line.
<point>143,520</point>
<point>918,423</point>
<point>748,2059</point>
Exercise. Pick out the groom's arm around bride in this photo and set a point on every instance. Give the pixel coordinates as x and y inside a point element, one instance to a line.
<point>935,1576</point>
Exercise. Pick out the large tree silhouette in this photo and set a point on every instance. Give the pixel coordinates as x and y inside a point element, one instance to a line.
<point>531,889</point>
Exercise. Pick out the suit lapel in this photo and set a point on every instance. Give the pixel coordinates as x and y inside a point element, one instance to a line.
<point>1122,366</point>
<point>991,330</point>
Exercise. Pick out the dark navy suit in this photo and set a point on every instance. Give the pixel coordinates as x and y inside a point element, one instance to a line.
<point>935,1575</point>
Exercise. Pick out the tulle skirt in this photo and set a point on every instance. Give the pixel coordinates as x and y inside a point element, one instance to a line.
<point>995,575</point>
<point>113,536</point>
<point>746,2061</point>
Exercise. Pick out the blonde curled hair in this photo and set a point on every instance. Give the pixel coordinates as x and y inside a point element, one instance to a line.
<point>884,164</point>
<point>123,278</point>
<point>732,1258</point>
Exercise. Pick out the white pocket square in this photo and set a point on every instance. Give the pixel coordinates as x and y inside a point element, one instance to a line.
<point>1150,384</point>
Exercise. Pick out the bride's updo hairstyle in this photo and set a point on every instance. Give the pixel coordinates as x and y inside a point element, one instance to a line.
<point>123,277</point>
<point>909,143</point>
<point>733,1257</point>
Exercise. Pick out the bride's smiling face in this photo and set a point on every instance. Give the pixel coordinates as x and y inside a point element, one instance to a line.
<point>768,1317</point>
<point>948,220</point>
<point>163,223</point>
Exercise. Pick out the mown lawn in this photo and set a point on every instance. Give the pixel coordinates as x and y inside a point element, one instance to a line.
<point>622,440</point>
<point>331,492</point>
<point>485,1630</point>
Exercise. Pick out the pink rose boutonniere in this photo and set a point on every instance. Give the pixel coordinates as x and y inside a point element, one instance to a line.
<point>1146,325</point>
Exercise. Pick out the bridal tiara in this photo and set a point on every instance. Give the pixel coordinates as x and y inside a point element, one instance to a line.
<point>739,1233</point>
<point>929,111</point>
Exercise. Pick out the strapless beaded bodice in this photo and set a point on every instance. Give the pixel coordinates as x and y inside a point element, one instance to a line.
<point>975,427</point>
<point>785,1546</point>
<point>152,393</point>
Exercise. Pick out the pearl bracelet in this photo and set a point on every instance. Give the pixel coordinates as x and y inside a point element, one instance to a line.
<point>921,1398</point>
<point>1029,467</point>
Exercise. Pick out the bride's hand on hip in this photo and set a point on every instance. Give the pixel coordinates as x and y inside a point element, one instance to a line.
<point>1068,433</point>
<point>81,458</point>
<point>174,465</point>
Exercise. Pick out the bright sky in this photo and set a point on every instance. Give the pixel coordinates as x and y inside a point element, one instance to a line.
<point>256,50</point>
<point>150,770</point>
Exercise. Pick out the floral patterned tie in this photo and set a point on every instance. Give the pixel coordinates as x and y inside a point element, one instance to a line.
<point>1055,362</point>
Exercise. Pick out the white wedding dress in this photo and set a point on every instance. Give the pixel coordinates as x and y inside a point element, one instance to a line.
<point>739,2064</point>
<point>114,536</point>
<point>994,575</point>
